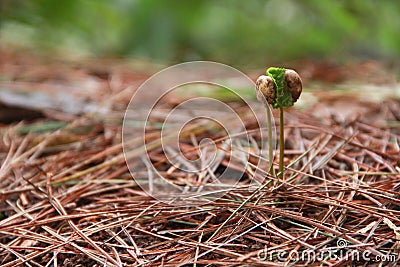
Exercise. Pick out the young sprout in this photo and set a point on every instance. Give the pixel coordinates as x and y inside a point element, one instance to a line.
<point>280,88</point>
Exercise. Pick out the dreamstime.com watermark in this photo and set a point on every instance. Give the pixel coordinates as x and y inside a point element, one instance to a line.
<point>157,134</point>
<point>341,252</point>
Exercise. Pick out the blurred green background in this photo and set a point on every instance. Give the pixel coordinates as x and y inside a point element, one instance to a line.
<point>240,33</point>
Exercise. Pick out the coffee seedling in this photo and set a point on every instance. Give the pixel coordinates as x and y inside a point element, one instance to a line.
<point>279,88</point>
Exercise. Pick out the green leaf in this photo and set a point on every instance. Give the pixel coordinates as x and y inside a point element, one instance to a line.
<point>283,98</point>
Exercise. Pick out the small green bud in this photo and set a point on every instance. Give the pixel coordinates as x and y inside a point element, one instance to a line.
<point>285,89</point>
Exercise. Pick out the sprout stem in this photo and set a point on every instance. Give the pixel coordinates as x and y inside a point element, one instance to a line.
<point>281,143</point>
<point>270,143</point>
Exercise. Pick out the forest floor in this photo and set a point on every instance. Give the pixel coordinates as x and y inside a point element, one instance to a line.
<point>68,198</point>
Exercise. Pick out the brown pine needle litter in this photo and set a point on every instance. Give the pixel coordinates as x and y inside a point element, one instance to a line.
<point>68,199</point>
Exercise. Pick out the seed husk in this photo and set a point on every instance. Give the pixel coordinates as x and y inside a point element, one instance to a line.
<point>265,89</point>
<point>293,83</point>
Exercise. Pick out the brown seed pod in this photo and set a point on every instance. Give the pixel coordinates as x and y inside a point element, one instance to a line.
<point>293,83</point>
<point>265,87</point>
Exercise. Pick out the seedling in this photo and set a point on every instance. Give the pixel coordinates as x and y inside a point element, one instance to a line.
<point>280,88</point>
